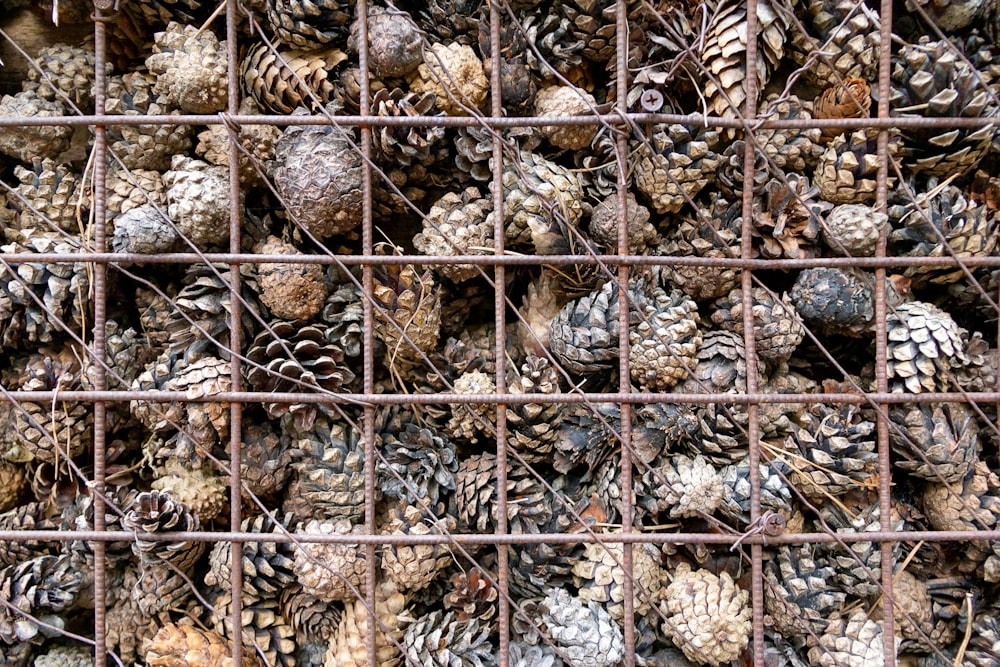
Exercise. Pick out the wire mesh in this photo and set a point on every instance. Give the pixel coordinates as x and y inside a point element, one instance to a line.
<point>850,473</point>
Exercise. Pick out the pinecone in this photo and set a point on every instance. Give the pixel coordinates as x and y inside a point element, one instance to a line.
<point>13,481</point>
<point>66,656</point>
<point>49,197</point>
<point>145,230</point>
<point>935,78</point>
<point>472,597</point>
<point>267,566</point>
<point>474,501</point>
<point>985,641</point>
<point>62,288</point>
<point>799,591</point>
<point>330,571</point>
<point>295,358</point>
<point>265,632</point>
<point>913,612</point>
<point>925,345</point>
<point>311,618</point>
<point>156,512</point>
<point>854,641</point>
<point>451,20</point>
<point>197,201</point>
<point>788,218</point>
<point>454,74</point>
<point>789,149</point>
<point>202,489</point>
<point>317,173</point>
<point>601,578</point>
<point>847,169</point>
<point>328,481</point>
<point>850,99</point>
<point>438,639</point>
<point>680,487</point>
<point>858,568</point>
<point>187,646</point>
<point>133,188</point>
<point>395,43</point>
<point>542,655</point>
<point>128,627</point>
<point>256,145</point>
<point>584,334</point>
<point>972,504</point>
<point>642,235</point>
<point>308,25</point>
<point>419,464</point>
<point>348,648</point>
<point>42,587</point>
<point>459,223</point>
<point>584,634</point>
<point>835,301</point>
<point>542,202</point>
<point>853,229</point>
<point>414,566</point>
<point>849,37</point>
<point>65,70</point>
<point>144,146</point>
<point>405,298</point>
<point>968,229</point>
<point>30,143</point>
<point>200,424</point>
<point>777,328</point>
<point>599,166</point>
<point>714,234</point>
<point>673,165</point>
<point>191,69</point>
<point>30,516</point>
<point>344,314</point>
<point>729,177</point>
<point>833,452</point>
<point>272,79</point>
<point>293,291</point>
<point>664,342</point>
<point>559,101</point>
<point>160,587</point>
<point>706,616</point>
<point>775,494</point>
<point>938,442</point>
<point>532,428</point>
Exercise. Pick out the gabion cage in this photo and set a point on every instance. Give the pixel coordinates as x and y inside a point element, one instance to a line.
<point>500,332</point>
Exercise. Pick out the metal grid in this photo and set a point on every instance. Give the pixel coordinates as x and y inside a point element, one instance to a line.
<point>764,528</point>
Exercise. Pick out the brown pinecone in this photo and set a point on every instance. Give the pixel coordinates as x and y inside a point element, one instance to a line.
<point>971,504</point>
<point>349,647</point>
<point>584,334</point>
<point>642,235</point>
<point>197,201</point>
<point>788,217</point>
<point>470,422</point>
<point>799,591</point>
<point>330,571</point>
<point>66,656</point>
<point>559,101</point>
<point>13,481</point>
<point>850,99</point>
<point>294,291</point>
<point>847,169</point>
<point>473,502</point>
<point>405,146</point>
<point>66,70</point>
<point>853,229</point>
<point>938,442</point>
<point>451,20</point>
<point>202,489</point>
<point>50,197</point>
<point>265,631</point>
<point>789,149</point>
<point>679,486</point>
<point>849,37</point>
<point>317,173</point>
<point>272,78</point>
<point>707,616</point>
<point>256,144</point>
<point>412,567</point>
<point>408,320</point>
<point>459,223</point>
<point>600,577</point>
<point>33,142</point>
<point>854,641</point>
<point>144,146</point>
<point>267,566</point>
<point>729,177</point>
<point>35,515</point>
<point>265,460</point>
<point>542,201</point>
<point>191,68</point>
<point>156,512</point>
<point>454,74</point>
<point>187,646</point>
<point>312,619</point>
<point>128,628</point>
<point>160,587</point>
<point>43,587</point>
<point>924,347</point>
<point>532,428</point>
<point>308,25</point>
<point>777,328</point>
<point>419,464</point>
<point>710,234</point>
<point>395,43</point>
<point>472,596</point>
<point>673,164</point>
<point>328,481</point>
<point>775,493</point>
<point>133,188</point>
<point>664,342</point>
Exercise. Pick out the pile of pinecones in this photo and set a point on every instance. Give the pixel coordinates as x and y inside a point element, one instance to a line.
<point>300,327</point>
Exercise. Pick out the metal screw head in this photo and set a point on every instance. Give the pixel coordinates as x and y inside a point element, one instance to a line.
<point>651,100</point>
<point>774,524</point>
<point>105,5</point>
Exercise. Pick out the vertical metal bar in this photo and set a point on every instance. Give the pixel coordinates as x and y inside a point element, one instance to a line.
<point>367,280</point>
<point>235,342</point>
<point>881,358</point>
<point>100,317</point>
<point>753,410</point>
<point>499,306</point>
<point>624,371</point>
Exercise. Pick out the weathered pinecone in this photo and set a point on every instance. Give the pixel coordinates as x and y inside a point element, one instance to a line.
<point>35,515</point>
<point>848,35</point>
<point>543,203</point>
<point>968,229</point>
<point>50,197</point>
<point>835,301</point>
<point>405,146</point>
<point>62,291</point>
<point>191,69</point>
<point>853,229</point>
<point>914,615</point>
<point>600,577</point>
<point>419,464</point>
<point>33,142</point>
<point>13,481</point>
<point>720,435</point>
<point>161,587</point>
<point>129,628</point>
<point>847,170</point>
<point>584,334</point>
<point>599,165</point>
<point>474,501</point>
<point>935,78</point>
<point>775,494</point>
<point>985,642</point>
<point>408,316</point>
<point>292,291</point>
<point>673,164</point>
<point>43,587</point>
<point>156,512</point>
<point>186,646</point>
<point>706,616</point>
<point>412,567</point>
<point>729,177</point>
<point>439,639</point>
<point>641,234</point>
<point>788,217</point>
<point>66,656</point>
<point>582,633</point>
<point>709,234</point>
<point>854,641</point>
<point>454,74</point>
<point>312,619</point>
<point>65,70</point>
<point>348,648</point>
<point>971,504</point>
<point>202,489</point>
<point>328,481</point>
<point>850,99</point>
<point>472,596</point>
<point>256,145</point>
<point>133,188</point>
<point>664,342</point>
<point>343,313</point>
<point>146,230</point>
<point>799,591</point>
<point>284,80</point>
<point>832,452</point>
<point>459,223</point>
<point>558,101</point>
<point>143,146</point>
<point>204,423</point>
<point>451,20</point>
<point>317,173</point>
<point>789,149</point>
<point>525,655</point>
<point>265,631</point>
<point>532,428</point>
<point>935,441</point>
<point>267,566</point>
<point>858,568</point>
<point>679,486</point>
<point>308,25</point>
<point>197,201</point>
<point>925,346</point>
<point>330,571</point>
<point>777,328</point>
